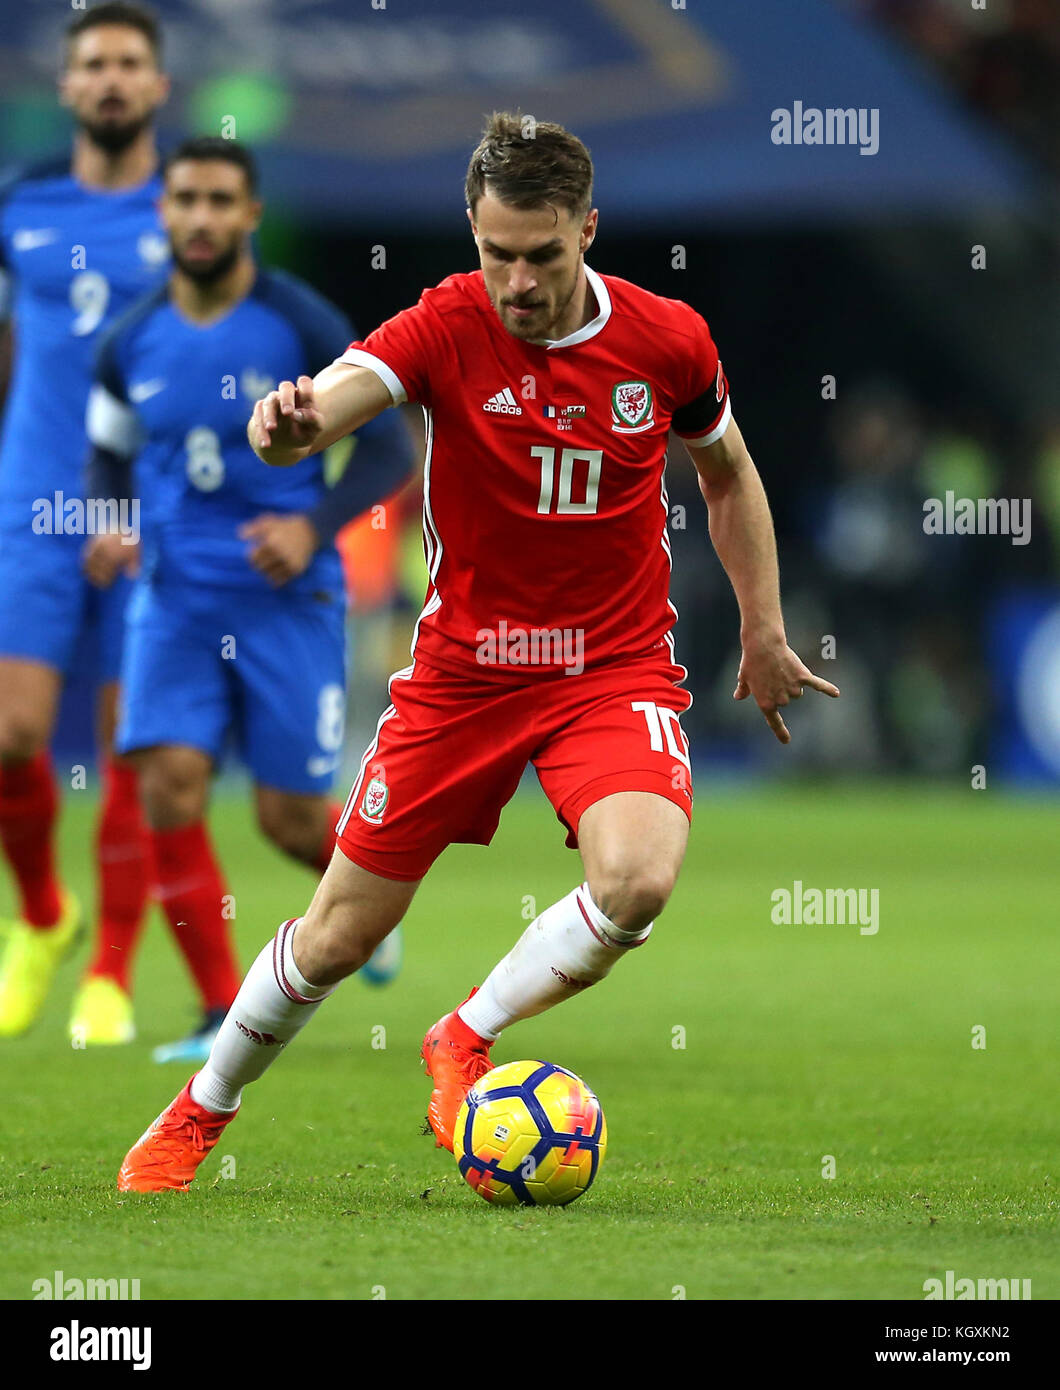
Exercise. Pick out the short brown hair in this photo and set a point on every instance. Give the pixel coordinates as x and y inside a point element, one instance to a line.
<point>530,164</point>
<point>119,12</point>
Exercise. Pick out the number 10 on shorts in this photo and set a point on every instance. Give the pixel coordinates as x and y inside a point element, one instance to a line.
<point>664,724</point>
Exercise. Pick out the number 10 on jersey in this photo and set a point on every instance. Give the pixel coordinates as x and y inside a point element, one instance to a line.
<point>557,495</point>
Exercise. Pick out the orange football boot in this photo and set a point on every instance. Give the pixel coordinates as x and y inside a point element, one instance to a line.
<point>166,1156</point>
<point>455,1057</point>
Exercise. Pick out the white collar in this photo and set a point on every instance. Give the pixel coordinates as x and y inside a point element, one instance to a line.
<point>590,329</point>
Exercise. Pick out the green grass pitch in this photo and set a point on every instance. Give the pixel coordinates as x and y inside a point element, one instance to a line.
<point>800,1042</point>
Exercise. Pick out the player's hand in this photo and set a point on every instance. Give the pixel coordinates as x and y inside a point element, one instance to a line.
<point>772,673</point>
<point>105,557</point>
<point>281,546</point>
<point>285,423</point>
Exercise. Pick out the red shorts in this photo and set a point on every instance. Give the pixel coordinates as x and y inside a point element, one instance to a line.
<point>449,752</point>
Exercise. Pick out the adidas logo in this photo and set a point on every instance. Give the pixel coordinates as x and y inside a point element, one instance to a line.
<point>262,1039</point>
<point>503,403</point>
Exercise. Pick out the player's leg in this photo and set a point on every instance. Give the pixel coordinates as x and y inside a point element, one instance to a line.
<point>43,599</point>
<point>302,825</point>
<point>49,917</point>
<point>431,775</point>
<point>291,671</point>
<point>176,705</point>
<point>632,844</point>
<point>189,884</point>
<point>617,772</point>
<point>29,701</point>
<point>351,912</point>
<point>102,1011</point>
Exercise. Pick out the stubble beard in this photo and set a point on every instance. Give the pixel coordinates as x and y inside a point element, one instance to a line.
<point>525,331</point>
<point>208,273</point>
<point>113,138</point>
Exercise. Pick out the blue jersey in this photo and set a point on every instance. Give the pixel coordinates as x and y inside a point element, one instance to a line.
<point>72,259</point>
<point>177,395</point>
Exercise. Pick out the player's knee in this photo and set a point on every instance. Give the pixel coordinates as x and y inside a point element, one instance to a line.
<point>290,828</point>
<point>173,792</point>
<point>330,943</point>
<point>22,734</point>
<point>632,896</point>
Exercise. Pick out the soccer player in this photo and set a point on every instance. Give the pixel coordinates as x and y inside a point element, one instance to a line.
<point>79,241</point>
<point>237,620</point>
<point>550,391</point>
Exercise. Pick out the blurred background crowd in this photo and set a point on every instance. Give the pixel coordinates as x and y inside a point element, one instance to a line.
<point>1001,58</point>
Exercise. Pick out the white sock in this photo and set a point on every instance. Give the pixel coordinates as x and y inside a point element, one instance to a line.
<point>274,1003</point>
<point>569,946</point>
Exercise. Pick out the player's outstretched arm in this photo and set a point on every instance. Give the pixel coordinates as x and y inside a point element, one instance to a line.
<point>305,416</point>
<point>741,530</point>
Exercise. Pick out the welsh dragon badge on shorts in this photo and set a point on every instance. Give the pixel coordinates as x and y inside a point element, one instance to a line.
<point>373,803</point>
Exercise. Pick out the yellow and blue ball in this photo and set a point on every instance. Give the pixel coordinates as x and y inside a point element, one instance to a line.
<point>530,1133</point>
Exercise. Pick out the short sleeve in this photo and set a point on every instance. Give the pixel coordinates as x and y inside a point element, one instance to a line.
<point>704,411</point>
<point>402,352</point>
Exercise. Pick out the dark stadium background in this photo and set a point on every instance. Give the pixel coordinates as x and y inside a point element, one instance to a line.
<point>805,262</point>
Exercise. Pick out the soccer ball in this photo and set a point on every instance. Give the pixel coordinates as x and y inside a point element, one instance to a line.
<point>530,1133</point>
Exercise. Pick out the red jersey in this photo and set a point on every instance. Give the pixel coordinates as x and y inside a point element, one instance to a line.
<point>544,509</point>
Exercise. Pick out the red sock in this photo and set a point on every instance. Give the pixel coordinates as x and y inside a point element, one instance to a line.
<point>327,846</point>
<point>123,853</point>
<point>29,803</point>
<point>190,888</point>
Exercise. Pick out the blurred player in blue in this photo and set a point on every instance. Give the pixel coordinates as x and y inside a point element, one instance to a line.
<point>79,242</point>
<point>237,619</point>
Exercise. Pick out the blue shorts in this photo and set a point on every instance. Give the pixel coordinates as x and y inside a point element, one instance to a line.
<point>268,668</point>
<point>50,613</point>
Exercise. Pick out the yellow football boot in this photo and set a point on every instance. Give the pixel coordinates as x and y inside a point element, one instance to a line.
<point>30,959</point>
<point>102,1014</point>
